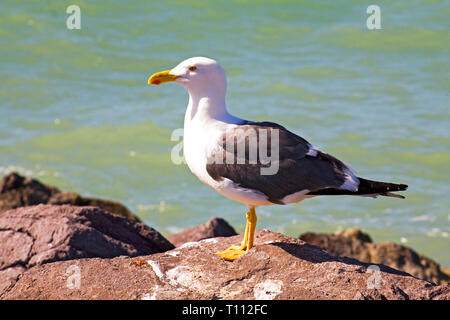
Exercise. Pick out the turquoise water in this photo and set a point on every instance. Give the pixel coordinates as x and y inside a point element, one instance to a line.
<point>76,110</point>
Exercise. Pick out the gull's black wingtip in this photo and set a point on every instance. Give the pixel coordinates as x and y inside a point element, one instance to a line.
<point>369,188</point>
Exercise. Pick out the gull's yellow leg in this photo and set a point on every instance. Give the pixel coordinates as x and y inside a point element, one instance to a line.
<point>252,228</point>
<point>234,252</point>
<point>244,242</point>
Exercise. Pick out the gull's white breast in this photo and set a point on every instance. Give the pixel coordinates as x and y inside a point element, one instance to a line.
<point>200,141</point>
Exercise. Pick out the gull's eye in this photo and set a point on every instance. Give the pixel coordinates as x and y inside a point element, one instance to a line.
<point>192,68</point>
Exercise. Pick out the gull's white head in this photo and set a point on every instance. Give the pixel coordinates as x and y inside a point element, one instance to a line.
<point>199,75</point>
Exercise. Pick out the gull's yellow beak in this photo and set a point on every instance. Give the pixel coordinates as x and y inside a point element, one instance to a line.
<point>162,77</point>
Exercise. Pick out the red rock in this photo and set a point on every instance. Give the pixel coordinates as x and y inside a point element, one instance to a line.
<point>44,233</point>
<point>17,191</point>
<point>278,267</point>
<point>214,227</point>
<point>356,244</point>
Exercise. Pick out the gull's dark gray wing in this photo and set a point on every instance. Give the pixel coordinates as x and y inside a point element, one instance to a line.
<point>300,166</point>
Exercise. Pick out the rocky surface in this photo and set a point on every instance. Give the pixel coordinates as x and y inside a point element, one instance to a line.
<point>41,234</point>
<point>278,267</point>
<point>18,191</point>
<point>71,252</point>
<point>356,244</point>
<point>214,227</point>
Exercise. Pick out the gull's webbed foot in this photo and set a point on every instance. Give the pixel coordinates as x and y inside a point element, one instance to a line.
<point>234,252</point>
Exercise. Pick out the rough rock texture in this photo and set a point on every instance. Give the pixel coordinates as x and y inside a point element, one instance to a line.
<point>214,227</point>
<point>17,191</point>
<point>278,267</point>
<point>40,234</point>
<point>356,244</point>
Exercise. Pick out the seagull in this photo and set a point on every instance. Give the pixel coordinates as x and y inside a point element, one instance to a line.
<point>254,163</point>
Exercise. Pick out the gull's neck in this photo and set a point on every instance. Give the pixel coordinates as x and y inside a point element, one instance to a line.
<point>208,107</point>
